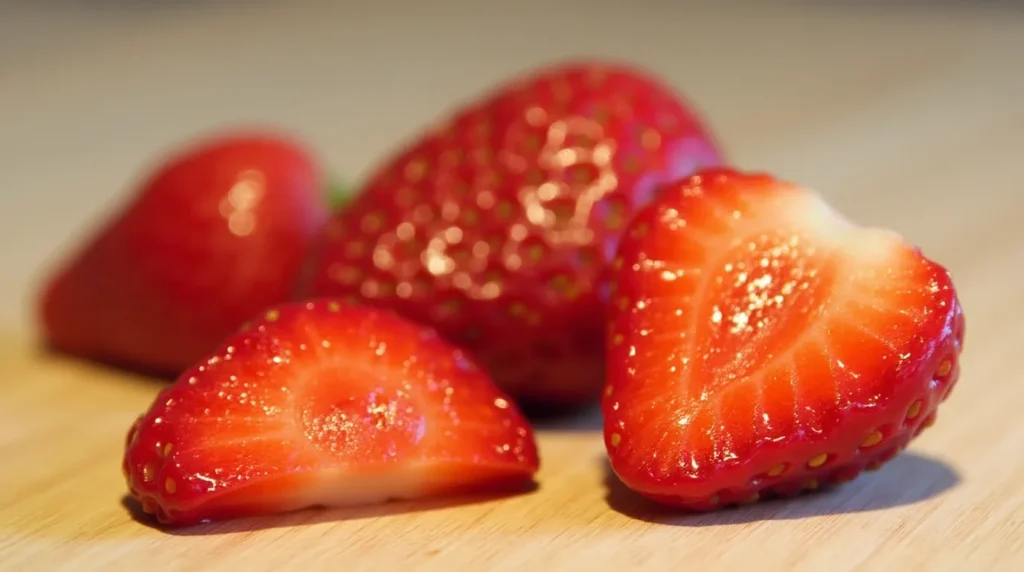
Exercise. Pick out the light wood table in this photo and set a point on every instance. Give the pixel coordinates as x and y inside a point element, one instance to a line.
<point>911,118</point>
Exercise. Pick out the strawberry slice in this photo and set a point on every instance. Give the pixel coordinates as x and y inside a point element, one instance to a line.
<point>324,404</point>
<point>761,344</point>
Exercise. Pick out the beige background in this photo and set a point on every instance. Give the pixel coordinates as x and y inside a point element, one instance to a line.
<point>905,116</point>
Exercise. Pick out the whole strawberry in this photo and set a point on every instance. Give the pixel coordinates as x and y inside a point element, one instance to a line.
<point>760,344</point>
<point>212,237</point>
<point>497,227</point>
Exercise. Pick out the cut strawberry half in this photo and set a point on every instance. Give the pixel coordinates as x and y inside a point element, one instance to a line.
<point>761,344</point>
<point>324,404</point>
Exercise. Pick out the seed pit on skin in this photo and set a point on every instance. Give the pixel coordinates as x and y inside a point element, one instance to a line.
<point>751,499</point>
<point>148,473</point>
<point>818,460</point>
<point>639,230</point>
<point>170,486</point>
<point>776,470</point>
<point>149,506</point>
<point>914,411</point>
<point>873,438</point>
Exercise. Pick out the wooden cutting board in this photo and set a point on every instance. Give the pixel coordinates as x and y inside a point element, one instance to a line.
<point>912,119</point>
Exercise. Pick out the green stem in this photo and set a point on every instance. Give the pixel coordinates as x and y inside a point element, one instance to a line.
<point>339,195</point>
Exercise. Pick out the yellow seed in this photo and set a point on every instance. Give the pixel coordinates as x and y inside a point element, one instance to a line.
<point>616,439</point>
<point>170,486</point>
<point>333,306</point>
<point>873,466</point>
<point>753,498</point>
<point>811,485</point>
<point>776,470</point>
<point>167,449</point>
<point>272,315</point>
<point>149,506</point>
<point>608,390</point>
<point>148,474</point>
<point>928,422</point>
<point>617,265</point>
<point>617,339</point>
<point>914,411</point>
<point>944,368</point>
<point>817,460</point>
<point>874,438</point>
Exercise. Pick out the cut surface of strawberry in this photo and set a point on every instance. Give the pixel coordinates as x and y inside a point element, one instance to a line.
<point>498,227</point>
<point>322,403</point>
<point>761,344</point>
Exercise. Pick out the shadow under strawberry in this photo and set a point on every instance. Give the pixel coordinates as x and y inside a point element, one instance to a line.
<point>311,516</point>
<point>584,419</point>
<point>908,479</point>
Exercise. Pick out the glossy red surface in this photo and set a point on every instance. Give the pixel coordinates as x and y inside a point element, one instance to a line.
<point>759,343</point>
<point>497,226</point>
<point>324,403</point>
<point>215,234</point>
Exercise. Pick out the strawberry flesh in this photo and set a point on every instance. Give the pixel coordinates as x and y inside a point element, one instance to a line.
<point>324,404</point>
<point>761,344</point>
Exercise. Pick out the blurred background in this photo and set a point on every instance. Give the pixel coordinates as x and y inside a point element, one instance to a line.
<point>855,98</point>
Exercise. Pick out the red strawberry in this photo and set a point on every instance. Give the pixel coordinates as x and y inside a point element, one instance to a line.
<point>215,235</point>
<point>497,227</point>
<point>322,403</point>
<point>761,344</point>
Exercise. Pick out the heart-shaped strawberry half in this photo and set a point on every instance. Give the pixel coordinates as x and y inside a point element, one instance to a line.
<point>325,404</point>
<point>761,344</point>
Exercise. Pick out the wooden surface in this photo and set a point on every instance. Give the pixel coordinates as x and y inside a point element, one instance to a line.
<point>905,117</point>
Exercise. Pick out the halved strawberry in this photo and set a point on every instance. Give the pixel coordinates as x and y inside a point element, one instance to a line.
<point>762,344</point>
<point>324,404</point>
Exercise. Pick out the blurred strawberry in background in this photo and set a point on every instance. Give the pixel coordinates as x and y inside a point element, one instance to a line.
<point>498,226</point>
<point>210,238</point>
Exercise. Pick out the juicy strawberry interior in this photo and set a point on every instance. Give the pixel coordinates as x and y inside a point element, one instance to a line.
<point>750,321</point>
<point>325,405</point>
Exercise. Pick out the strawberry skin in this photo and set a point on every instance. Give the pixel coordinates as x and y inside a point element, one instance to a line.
<point>761,345</point>
<point>322,403</point>
<point>214,235</point>
<point>497,227</point>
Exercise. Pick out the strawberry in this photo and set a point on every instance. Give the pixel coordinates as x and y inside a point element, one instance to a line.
<point>217,233</point>
<point>497,227</point>
<point>323,403</point>
<point>760,344</point>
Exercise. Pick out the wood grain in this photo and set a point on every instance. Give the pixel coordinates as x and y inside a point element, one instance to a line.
<point>904,117</point>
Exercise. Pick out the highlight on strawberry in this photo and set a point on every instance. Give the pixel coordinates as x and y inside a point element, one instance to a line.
<point>214,234</point>
<point>760,344</point>
<point>323,403</point>
<point>497,227</point>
